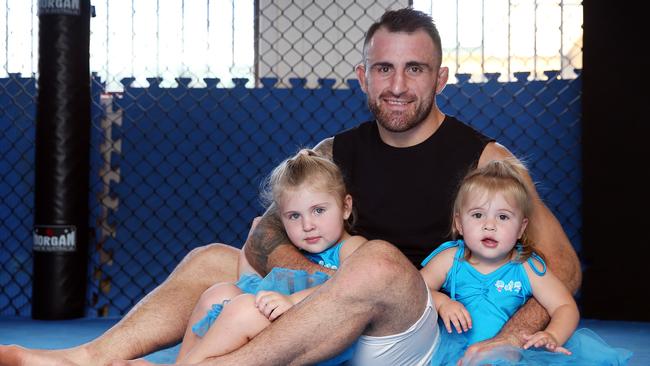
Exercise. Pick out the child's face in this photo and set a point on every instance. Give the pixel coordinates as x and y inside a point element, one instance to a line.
<point>313,219</point>
<point>490,226</point>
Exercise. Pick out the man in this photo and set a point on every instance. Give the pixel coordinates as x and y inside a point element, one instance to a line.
<point>402,171</point>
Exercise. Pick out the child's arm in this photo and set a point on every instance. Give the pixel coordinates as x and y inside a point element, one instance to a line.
<point>451,312</point>
<point>560,305</point>
<point>273,304</point>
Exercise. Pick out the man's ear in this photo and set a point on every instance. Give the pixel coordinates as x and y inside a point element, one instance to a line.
<point>443,77</point>
<point>360,69</point>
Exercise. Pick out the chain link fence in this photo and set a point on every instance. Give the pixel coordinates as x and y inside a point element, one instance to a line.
<point>180,146</point>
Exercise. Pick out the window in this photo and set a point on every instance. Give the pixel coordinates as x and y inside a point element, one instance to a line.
<point>508,36</point>
<point>215,39</point>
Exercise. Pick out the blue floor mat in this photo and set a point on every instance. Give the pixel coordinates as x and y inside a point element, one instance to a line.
<point>65,333</point>
<point>26,332</point>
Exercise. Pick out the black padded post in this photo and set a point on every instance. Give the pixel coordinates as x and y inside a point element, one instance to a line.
<point>62,162</point>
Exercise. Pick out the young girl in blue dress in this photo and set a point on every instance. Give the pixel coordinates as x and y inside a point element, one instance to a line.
<point>309,195</point>
<point>480,280</point>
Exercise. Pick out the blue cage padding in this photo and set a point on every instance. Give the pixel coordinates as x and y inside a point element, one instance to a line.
<point>191,160</point>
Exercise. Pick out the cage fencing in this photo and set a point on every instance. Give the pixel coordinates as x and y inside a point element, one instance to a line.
<point>178,154</point>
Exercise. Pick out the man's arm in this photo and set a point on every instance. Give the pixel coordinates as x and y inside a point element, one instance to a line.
<point>268,245</point>
<point>549,238</point>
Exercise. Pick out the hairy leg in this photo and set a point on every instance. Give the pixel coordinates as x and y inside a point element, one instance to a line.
<point>158,320</point>
<point>214,295</point>
<point>239,322</point>
<point>377,292</point>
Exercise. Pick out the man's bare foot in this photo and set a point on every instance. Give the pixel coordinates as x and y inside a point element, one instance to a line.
<point>18,356</point>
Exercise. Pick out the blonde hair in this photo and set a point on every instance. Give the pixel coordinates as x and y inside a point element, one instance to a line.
<point>498,176</point>
<point>306,167</point>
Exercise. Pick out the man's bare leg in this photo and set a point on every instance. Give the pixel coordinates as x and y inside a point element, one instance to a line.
<point>376,292</point>
<point>158,320</point>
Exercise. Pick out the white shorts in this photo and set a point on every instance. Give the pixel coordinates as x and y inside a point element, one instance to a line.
<point>413,347</point>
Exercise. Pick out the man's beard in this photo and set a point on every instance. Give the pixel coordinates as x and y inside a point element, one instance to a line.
<point>401,121</point>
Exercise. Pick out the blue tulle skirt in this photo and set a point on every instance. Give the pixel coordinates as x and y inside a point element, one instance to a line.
<point>586,346</point>
<point>282,280</point>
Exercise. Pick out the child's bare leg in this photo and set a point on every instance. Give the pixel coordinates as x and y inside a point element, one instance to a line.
<point>239,321</point>
<point>214,295</point>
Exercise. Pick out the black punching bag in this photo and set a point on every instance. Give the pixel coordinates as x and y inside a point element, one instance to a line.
<point>60,249</point>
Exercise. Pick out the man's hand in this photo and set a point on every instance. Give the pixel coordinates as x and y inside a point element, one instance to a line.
<point>272,304</point>
<point>546,340</point>
<point>485,350</point>
<point>454,313</point>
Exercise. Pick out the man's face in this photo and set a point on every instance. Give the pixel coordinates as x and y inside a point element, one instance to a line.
<point>401,78</point>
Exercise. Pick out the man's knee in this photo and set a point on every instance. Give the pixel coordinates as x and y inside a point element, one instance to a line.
<point>391,283</point>
<point>217,262</point>
<point>213,253</point>
<point>376,272</point>
<point>380,261</point>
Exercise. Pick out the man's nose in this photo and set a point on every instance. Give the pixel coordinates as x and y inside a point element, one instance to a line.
<point>398,83</point>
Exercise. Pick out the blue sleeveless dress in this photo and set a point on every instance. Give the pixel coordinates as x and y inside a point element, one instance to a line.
<point>285,281</point>
<point>491,299</point>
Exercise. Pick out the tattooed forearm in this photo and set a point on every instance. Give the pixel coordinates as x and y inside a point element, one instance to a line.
<point>265,238</point>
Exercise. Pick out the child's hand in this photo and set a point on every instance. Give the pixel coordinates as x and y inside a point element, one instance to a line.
<point>453,312</point>
<point>546,340</point>
<point>272,304</point>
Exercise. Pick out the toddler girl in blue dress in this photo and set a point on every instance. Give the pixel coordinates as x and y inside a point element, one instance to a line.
<point>309,196</point>
<point>478,282</point>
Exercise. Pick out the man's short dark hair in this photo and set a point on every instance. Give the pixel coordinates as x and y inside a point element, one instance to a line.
<point>406,20</point>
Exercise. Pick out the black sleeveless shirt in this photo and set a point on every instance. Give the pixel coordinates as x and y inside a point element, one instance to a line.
<point>405,195</point>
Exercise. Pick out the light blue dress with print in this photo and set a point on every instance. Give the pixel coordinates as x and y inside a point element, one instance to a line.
<point>285,281</point>
<point>491,299</point>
